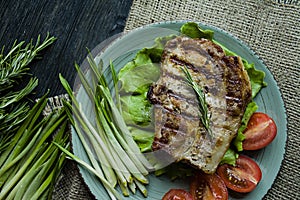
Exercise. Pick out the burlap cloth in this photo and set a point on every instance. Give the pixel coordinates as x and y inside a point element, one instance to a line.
<point>271,29</point>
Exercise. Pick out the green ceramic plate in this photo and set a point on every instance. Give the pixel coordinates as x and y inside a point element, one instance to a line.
<point>123,48</point>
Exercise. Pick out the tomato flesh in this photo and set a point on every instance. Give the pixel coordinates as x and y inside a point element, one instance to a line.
<point>243,177</point>
<point>261,131</point>
<point>177,194</point>
<point>208,187</point>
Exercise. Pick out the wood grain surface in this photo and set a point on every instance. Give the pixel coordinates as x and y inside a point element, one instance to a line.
<point>77,25</point>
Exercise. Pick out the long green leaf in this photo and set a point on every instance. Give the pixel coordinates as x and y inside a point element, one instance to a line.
<point>109,173</point>
<point>48,185</point>
<point>88,167</point>
<point>35,174</point>
<point>27,124</point>
<point>118,119</point>
<point>21,155</point>
<point>17,96</point>
<point>40,144</point>
<point>123,155</point>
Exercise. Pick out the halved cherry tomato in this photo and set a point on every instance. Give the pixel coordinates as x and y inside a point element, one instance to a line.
<point>208,187</point>
<point>177,194</point>
<point>243,177</point>
<point>261,131</point>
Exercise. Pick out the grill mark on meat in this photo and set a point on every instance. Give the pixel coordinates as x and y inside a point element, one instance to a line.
<point>196,68</point>
<point>175,132</point>
<point>178,129</point>
<point>176,77</point>
<point>179,104</point>
<point>178,61</point>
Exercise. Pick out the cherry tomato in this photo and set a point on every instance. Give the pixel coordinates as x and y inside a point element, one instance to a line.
<point>208,187</point>
<point>243,177</point>
<point>177,194</point>
<point>260,131</point>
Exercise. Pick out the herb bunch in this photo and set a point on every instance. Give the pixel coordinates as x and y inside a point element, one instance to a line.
<point>31,163</point>
<point>13,67</point>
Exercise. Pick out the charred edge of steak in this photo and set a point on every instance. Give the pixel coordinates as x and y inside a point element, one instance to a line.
<point>208,47</point>
<point>163,141</point>
<point>150,95</point>
<point>238,95</point>
<point>173,126</point>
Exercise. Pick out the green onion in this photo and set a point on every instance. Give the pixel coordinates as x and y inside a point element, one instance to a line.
<point>88,167</point>
<point>93,135</point>
<point>107,170</point>
<point>142,188</point>
<point>30,159</point>
<point>119,121</point>
<point>110,140</point>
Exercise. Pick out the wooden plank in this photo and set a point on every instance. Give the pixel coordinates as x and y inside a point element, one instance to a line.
<point>77,25</point>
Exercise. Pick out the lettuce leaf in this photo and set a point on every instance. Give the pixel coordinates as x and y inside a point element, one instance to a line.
<point>237,142</point>
<point>176,170</point>
<point>256,78</point>
<point>147,58</point>
<point>192,30</point>
<point>229,157</point>
<point>136,109</point>
<point>143,138</point>
<point>139,77</point>
<point>136,77</point>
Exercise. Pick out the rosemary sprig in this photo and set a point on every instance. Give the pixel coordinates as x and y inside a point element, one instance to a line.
<point>13,66</point>
<point>203,108</point>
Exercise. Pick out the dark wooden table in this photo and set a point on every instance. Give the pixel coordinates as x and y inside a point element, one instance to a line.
<point>77,25</point>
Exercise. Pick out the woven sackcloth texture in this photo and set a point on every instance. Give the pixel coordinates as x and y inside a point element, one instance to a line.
<point>71,184</point>
<point>272,30</point>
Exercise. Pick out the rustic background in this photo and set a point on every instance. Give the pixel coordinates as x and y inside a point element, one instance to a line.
<point>270,28</point>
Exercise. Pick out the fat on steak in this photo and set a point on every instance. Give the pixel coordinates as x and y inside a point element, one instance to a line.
<point>226,85</point>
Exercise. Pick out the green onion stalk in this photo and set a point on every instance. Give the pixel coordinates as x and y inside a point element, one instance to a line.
<point>114,156</point>
<point>31,163</point>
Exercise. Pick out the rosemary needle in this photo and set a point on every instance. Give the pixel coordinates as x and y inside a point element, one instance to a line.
<point>203,107</point>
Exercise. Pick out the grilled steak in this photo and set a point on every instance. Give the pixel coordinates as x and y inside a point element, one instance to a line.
<point>226,85</point>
